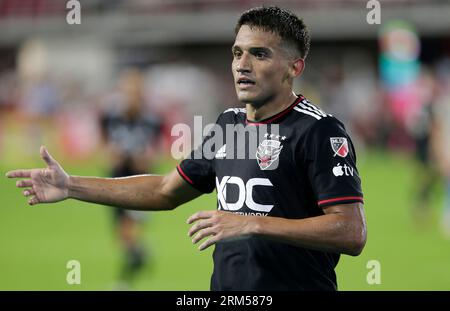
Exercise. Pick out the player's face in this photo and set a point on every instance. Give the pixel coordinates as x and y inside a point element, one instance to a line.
<point>260,66</point>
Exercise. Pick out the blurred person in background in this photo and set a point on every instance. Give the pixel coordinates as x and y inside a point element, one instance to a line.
<point>281,228</point>
<point>40,97</point>
<point>420,127</point>
<point>440,138</point>
<point>39,103</point>
<point>8,97</point>
<point>131,135</point>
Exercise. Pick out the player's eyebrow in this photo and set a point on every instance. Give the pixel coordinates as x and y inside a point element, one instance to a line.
<point>253,50</point>
<point>235,48</point>
<point>257,49</point>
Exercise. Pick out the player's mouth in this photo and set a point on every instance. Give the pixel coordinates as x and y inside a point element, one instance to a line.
<point>245,83</point>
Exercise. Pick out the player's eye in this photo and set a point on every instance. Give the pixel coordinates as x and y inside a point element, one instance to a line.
<point>237,54</point>
<point>260,55</point>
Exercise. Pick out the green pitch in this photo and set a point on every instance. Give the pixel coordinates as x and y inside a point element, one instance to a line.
<point>37,242</point>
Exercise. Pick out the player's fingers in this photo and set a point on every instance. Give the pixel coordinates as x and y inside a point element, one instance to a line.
<point>28,192</point>
<point>202,224</point>
<point>24,183</point>
<point>45,155</point>
<point>200,215</point>
<point>211,241</point>
<point>19,174</point>
<point>33,201</point>
<point>203,234</point>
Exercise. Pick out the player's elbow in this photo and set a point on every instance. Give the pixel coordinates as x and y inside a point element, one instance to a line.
<point>160,205</point>
<point>170,206</point>
<point>356,241</point>
<point>356,247</point>
<point>166,203</point>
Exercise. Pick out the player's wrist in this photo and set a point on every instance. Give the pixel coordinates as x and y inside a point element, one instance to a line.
<point>254,225</point>
<point>70,187</point>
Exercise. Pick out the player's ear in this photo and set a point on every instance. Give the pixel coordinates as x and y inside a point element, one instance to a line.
<point>297,67</point>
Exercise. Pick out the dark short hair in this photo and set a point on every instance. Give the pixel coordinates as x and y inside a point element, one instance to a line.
<point>286,24</point>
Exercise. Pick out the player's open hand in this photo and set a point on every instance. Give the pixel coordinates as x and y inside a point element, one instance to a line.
<point>43,185</point>
<point>218,226</point>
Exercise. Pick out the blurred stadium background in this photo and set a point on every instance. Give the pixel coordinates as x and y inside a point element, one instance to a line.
<point>390,84</point>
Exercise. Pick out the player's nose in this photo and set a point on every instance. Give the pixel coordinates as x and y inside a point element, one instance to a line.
<point>244,63</point>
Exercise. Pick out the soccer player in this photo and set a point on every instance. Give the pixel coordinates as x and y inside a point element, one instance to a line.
<point>440,138</point>
<point>130,133</point>
<point>286,212</point>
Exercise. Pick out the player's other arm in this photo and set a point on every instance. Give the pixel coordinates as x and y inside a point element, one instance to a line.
<point>141,192</point>
<point>342,229</point>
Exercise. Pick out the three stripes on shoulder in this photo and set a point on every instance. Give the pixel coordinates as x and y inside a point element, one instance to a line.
<point>236,110</point>
<point>304,107</point>
<point>307,108</point>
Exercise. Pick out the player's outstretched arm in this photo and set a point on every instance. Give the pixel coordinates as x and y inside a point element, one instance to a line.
<point>140,192</point>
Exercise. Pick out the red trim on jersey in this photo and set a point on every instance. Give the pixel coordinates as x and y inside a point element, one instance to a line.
<point>340,199</point>
<point>278,115</point>
<point>184,175</point>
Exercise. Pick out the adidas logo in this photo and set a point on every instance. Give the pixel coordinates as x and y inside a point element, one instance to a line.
<point>220,154</point>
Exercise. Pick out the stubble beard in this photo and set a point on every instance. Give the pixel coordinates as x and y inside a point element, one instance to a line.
<point>258,102</point>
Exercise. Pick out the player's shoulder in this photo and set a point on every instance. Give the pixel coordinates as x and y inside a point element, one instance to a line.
<point>232,115</point>
<point>311,117</point>
<point>235,110</point>
<point>306,110</point>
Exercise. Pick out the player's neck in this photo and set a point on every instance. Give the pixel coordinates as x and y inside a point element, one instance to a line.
<point>270,108</point>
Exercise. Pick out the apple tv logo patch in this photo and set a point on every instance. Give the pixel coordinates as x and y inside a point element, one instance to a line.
<point>340,170</point>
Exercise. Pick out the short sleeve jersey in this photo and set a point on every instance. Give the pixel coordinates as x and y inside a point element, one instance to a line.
<point>290,165</point>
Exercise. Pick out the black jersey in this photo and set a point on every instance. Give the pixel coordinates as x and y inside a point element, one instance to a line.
<point>309,163</point>
<point>130,135</point>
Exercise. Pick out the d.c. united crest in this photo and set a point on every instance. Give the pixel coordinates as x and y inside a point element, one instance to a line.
<point>267,154</point>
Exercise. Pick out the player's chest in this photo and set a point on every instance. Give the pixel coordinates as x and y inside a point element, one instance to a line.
<point>257,151</point>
